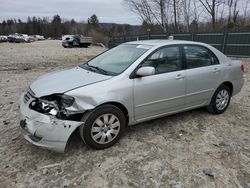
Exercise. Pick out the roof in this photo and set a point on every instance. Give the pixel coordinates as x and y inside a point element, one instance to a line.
<point>162,42</point>
<point>159,43</point>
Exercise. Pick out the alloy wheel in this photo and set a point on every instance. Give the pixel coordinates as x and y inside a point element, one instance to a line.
<point>105,129</point>
<point>222,99</point>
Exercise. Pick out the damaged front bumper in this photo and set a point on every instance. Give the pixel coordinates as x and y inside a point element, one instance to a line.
<point>44,130</point>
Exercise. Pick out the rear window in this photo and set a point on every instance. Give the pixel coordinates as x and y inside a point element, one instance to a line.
<point>198,56</point>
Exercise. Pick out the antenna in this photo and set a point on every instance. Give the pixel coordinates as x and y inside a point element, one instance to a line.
<point>171,37</point>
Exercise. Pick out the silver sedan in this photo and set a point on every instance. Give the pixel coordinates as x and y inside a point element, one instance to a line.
<point>131,83</point>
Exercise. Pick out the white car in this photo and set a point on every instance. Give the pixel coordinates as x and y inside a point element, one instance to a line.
<point>129,84</point>
<point>18,38</point>
<point>3,38</point>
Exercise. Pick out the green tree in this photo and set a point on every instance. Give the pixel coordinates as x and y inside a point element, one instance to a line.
<point>93,21</point>
<point>56,26</point>
<point>56,19</point>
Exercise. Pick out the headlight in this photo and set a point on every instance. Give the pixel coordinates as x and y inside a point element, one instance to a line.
<point>67,101</point>
<point>44,106</point>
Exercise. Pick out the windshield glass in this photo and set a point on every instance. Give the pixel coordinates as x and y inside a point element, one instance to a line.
<point>116,60</point>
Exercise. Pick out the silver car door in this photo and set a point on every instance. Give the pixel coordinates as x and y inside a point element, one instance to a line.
<point>203,75</point>
<point>163,92</point>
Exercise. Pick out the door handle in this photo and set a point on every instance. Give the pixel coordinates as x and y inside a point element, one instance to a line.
<point>179,77</point>
<point>216,70</point>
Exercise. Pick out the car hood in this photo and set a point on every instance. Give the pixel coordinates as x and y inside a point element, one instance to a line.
<point>65,80</point>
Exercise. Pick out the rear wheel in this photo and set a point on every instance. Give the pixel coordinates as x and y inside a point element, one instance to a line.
<point>103,127</point>
<point>220,100</point>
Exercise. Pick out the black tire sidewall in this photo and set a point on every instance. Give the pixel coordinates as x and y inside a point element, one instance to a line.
<point>70,45</point>
<point>213,102</point>
<point>85,129</point>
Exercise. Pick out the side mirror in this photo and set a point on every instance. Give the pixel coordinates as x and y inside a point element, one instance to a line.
<point>145,71</point>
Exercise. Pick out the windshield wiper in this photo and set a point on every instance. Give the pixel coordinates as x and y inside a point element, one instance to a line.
<point>99,69</point>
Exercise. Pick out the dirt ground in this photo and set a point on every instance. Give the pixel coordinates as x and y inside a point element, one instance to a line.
<point>191,149</point>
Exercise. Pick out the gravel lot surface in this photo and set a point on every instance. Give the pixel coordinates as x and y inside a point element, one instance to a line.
<point>191,149</point>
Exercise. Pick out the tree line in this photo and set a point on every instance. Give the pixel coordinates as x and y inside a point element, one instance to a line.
<point>54,28</point>
<point>157,16</point>
<point>57,26</point>
<point>192,15</point>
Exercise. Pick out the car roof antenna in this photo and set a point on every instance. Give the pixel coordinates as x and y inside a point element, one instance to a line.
<point>171,37</point>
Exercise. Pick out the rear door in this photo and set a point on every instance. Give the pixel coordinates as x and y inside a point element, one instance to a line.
<point>203,74</point>
<point>163,92</point>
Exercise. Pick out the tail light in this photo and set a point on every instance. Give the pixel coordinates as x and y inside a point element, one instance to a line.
<point>242,68</point>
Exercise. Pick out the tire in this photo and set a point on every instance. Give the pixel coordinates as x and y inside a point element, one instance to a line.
<point>103,127</point>
<point>220,100</point>
<point>70,45</point>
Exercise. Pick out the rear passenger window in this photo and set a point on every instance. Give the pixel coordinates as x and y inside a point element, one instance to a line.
<point>197,56</point>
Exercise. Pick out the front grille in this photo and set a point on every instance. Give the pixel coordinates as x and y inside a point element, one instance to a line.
<point>29,95</point>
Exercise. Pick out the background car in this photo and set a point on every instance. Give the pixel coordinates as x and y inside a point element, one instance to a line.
<point>69,41</point>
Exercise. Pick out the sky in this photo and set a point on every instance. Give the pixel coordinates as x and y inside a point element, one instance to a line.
<point>108,11</point>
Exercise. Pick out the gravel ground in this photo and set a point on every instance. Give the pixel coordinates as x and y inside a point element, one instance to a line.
<point>191,149</point>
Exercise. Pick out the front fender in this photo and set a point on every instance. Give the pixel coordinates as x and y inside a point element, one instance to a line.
<point>112,90</point>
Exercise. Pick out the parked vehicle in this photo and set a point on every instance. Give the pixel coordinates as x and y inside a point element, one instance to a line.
<point>32,38</point>
<point>69,41</point>
<point>129,84</point>
<point>18,38</point>
<point>39,37</point>
<point>3,38</point>
<point>11,38</point>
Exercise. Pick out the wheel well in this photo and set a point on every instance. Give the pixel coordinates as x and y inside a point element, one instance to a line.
<point>229,85</point>
<point>122,108</point>
<point>79,116</point>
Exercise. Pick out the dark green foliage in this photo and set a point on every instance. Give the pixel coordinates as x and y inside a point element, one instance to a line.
<point>93,21</point>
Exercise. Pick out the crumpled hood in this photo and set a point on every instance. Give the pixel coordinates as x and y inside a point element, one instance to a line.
<point>65,80</point>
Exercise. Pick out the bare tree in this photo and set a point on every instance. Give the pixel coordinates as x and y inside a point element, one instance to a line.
<point>142,9</point>
<point>175,15</point>
<point>160,6</point>
<point>245,11</point>
<point>232,10</point>
<point>196,11</point>
<point>150,11</point>
<point>186,4</point>
<point>210,7</point>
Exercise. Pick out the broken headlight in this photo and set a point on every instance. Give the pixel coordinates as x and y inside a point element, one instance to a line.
<point>45,106</point>
<point>53,104</point>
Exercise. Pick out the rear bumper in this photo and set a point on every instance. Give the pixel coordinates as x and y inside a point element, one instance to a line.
<point>237,85</point>
<point>44,130</point>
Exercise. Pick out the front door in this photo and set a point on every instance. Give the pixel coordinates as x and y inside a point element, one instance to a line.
<point>163,92</point>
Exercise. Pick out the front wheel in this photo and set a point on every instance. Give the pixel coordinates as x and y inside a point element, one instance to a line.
<point>220,100</point>
<point>103,127</point>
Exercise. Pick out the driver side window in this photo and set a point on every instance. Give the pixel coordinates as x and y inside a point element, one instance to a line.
<point>167,59</point>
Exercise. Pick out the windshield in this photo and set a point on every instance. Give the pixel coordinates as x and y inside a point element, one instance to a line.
<point>116,60</point>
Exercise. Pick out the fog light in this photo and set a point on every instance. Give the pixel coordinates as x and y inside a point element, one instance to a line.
<point>23,123</point>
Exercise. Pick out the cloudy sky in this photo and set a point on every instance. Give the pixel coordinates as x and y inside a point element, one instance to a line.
<point>107,10</point>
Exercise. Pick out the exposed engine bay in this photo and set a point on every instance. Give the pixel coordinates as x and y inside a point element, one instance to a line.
<point>55,105</point>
